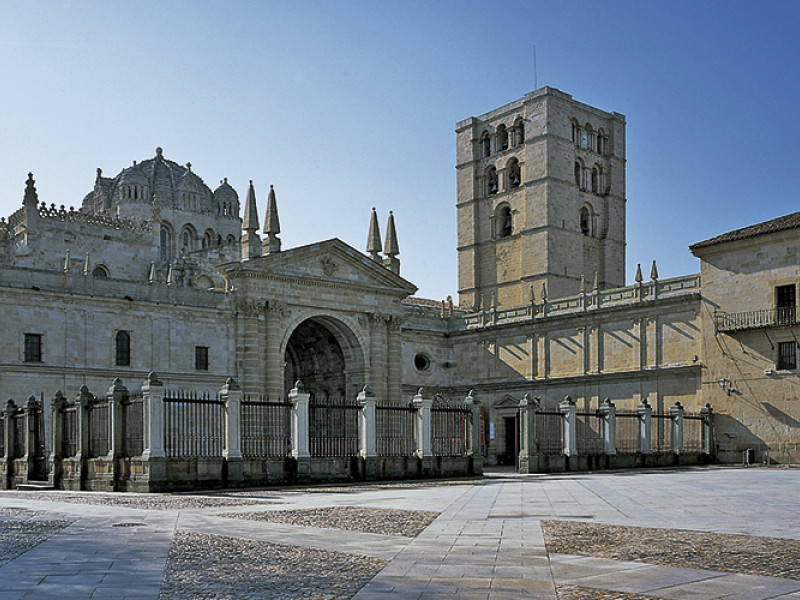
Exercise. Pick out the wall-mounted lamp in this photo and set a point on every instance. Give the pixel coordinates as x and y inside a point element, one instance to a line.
<point>726,385</point>
<point>769,372</point>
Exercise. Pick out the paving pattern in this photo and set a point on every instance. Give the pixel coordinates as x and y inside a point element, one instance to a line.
<point>701,534</point>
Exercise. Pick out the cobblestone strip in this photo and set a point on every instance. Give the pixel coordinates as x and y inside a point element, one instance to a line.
<point>408,523</point>
<point>205,566</point>
<point>22,529</point>
<point>144,501</point>
<point>730,553</point>
<point>576,592</point>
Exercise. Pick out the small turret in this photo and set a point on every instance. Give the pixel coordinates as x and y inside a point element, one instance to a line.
<point>374,238</point>
<point>251,242</point>
<point>31,197</point>
<point>391,248</point>
<point>272,226</point>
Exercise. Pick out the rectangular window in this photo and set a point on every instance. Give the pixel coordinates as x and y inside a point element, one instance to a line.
<point>200,358</point>
<point>33,347</point>
<point>787,355</point>
<point>785,302</point>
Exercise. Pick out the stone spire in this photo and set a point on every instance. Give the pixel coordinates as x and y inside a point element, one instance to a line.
<point>31,197</point>
<point>638,277</point>
<point>272,226</point>
<point>251,242</point>
<point>374,237</point>
<point>654,271</point>
<point>391,248</point>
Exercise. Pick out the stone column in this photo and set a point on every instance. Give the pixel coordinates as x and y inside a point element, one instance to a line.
<point>423,429</point>
<point>569,413</point>
<point>474,434</point>
<point>29,429</point>
<point>609,412</point>
<point>57,438</point>
<point>676,412</point>
<point>709,447</point>
<point>231,395</point>
<point>644,410</point>
<point>299,399</point>
<point>82,404</point>
<point>528,459</point>
<point>394,359</point>
<point>378,327</point>
<point>367,426</point>
<point>274,360</point>
<point>8,444</point>
<point>117,394</point>
<point>153,411</point>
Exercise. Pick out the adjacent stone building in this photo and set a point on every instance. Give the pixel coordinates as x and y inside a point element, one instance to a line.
<point>156,272</point>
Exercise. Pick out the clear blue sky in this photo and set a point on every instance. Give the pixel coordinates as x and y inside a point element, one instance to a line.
<point>348,105</point>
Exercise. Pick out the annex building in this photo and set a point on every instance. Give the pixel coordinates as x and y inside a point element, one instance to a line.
<point>156,272</point>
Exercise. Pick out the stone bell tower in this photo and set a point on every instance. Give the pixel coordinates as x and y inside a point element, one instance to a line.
<point>541,200</point>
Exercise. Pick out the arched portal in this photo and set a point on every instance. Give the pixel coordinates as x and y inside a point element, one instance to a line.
<point>326,356</point>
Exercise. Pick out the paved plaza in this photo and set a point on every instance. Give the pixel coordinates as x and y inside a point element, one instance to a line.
<point>692,534</point>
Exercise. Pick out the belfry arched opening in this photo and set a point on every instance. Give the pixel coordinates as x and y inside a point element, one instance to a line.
<point>326,356</point>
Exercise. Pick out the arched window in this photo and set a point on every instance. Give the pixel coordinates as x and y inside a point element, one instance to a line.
<point>230,240</point>
<point>519,131</point>
<point>514,173</point>
<point>579,174</point>
<point>502,138</point>
<point>586,221</point>
<point>601,141</point>
<point>486,144</point>
<point>491,180</point>
<point>123,349</point>
<point>585,134</point>
<point>208,238</point>
<point>99,271</point>
<point>505,222</point>
<point>595,179</point>
<point>187,239</point>
<point>164,239</point>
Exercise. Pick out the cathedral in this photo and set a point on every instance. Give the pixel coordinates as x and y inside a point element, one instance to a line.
<point>155,271</point>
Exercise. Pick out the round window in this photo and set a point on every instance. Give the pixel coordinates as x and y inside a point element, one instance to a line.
<point>422,362</point>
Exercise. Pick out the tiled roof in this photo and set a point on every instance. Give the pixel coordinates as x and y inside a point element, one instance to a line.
<point>791,221</point>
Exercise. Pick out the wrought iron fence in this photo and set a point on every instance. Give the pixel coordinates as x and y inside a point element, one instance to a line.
<point>69,433</point>
<point>2,433</point>
<point>755,319</point>
<point>20,437</point>
<point>333,427</point>
<point>589,432</point>
<point>133,425</point>
<point>660,433</point>
<point>693,434</point>
<point>265,427</point>
<point>549,431</point>
<point>193,425</point>
<point>394,420</point>
<point>627,432</point>
<point>99,427</point>
<point>448,427</point>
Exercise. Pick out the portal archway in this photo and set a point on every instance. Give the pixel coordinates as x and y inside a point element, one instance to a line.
<point>326,356</point>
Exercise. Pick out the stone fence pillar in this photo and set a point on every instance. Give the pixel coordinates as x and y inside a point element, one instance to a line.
<point>153,399</point>
<point>709,445</point>
<point>609,413</point>
<point>57,438</point>
<point>299,399</point>
<point>473,433</point>
<point>83,402</point>
<point>528,459</point>
<point>231,395</point>
<point>423,425</point>
<point>8,444</point>
<point>645,421</point>
<point>117,394</point>
<point>367,424</point>
<point>30,432</point>
<point>569,412</point>
<point>676,414</point>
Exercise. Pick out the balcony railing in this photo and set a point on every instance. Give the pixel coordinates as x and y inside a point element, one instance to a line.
<point>755,319</point>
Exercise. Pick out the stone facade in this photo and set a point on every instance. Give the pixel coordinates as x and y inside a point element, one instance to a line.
<point>157,272</point>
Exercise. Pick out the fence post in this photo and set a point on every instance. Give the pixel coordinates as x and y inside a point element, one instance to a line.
<point>569,413</point>
<point>231,394</point>
<point>645,421</point>
<point>8,444</point>
<point>528,460</point>
<point>117,394</point>
<point>423,425</point>
<point>709,447</point>
<point>29,427</point>
<point>82,402</point>
<point>299,399</point>
<point>154,471</point>
<point>676,413</point>
<point>367,425</point>
<point>57,438</point>
<point>474,434</point>
<point>609,412</point>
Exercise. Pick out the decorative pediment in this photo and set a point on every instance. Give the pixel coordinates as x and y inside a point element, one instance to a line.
<point>508,402</point>
<point>331,261</point>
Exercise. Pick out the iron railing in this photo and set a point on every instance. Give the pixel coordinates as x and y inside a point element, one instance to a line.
<point>589,432</point>
<point>394,421</point>
<point>333,427</point>
<point>99,427</point>
<point>194,425</point>
<point>755,319</point>
<point>627,432</point>
<point>660,433</point>
<point>265,428</point>
<point>549,431</point>
<point>133,424</point>
<point>448,427</point>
